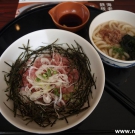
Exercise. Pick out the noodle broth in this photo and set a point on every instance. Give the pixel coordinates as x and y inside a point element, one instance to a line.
<point>108,35</point>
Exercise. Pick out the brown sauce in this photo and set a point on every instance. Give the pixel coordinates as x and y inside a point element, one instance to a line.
<point>70,20</point>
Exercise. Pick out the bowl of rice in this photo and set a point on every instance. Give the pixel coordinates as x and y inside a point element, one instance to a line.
<point>53,82</point>
<point>112,33</point>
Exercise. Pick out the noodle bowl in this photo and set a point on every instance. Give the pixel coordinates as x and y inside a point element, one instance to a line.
<point>108,32</point>
<point>108,35</point>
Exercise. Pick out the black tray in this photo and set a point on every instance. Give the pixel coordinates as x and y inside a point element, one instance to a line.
<point>109,114</point>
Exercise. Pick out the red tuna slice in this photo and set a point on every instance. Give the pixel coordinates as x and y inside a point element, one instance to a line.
<point>62,70</point>
<point>26,83</point>
<point>32,74</point>
<point>75,74</point>
<point>65,61</point>
<point>70,89</point>
<point>70,78</point>
<point>37,63</point>
<point>29,73</point>
<point>56,59</point>
<point>64,90</point>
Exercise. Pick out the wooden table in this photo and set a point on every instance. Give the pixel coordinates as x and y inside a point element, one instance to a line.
<point>8,9</point>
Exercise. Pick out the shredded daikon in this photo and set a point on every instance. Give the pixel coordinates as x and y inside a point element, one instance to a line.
<point>50,74</point>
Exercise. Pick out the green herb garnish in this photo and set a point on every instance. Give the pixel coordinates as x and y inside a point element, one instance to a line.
<point>118,50</point>
<point>48,72</point>
<point>37,79</point>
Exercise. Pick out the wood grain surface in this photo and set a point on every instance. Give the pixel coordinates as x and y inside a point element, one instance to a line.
<point>8,9</point>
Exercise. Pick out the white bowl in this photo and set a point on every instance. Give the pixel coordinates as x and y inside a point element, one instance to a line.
<point>118,15</point>
<point>36,39</point>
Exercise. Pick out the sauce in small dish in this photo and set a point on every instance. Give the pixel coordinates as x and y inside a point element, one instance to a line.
<point>70,20</point>
<point>71,16</point>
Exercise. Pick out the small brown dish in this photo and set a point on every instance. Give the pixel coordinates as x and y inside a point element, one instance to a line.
<point>71,16</point>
